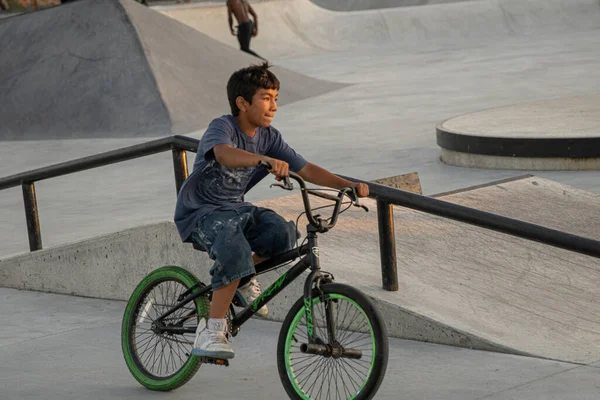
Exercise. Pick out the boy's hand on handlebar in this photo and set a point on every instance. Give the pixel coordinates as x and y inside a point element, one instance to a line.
<point>362,189</point>
<point>278,168</point>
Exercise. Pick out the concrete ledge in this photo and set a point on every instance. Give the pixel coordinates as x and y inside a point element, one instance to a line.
<point>111,266</point>
<point>559,134</point>
<point>519,163</point>
<point>359,5</point>
<point>407,182</point>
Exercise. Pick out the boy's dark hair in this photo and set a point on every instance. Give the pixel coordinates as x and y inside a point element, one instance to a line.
<point>246,81</point>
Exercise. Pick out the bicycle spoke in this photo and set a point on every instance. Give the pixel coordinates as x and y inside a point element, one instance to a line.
<point>174,352</point>
<point>145,342</point>
<point>153,356</point>
<point>305,360</point>
<point>318,372</point>
<point>347,391</point>
<point>151,348</point>
<point>309,367</point>
<point>354,370</point>
<point>163,354</point>
<point>313,371</point>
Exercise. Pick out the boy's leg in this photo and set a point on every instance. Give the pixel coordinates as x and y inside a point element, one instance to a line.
<point>222,235</point>
<point>270,234</point>
<point>255,259</point>
<point>221,299</point>
<point>250,288</point>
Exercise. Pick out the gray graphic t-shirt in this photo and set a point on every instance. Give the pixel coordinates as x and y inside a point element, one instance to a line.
<point>212,186</point>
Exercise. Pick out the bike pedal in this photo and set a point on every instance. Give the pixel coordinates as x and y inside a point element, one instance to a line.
<point>215,361</point>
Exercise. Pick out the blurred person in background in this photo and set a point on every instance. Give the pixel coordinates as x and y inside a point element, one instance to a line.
<point>247,27</point>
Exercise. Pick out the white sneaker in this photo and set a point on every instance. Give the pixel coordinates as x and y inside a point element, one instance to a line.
<point>250,291</point>
<point>212,340</point>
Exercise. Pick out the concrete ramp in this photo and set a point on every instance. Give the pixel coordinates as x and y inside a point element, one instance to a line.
<point>358,5</point>
<point>473,287</point>
<point>115,68</point>
<point>459,285</point>
<point>299,28</point>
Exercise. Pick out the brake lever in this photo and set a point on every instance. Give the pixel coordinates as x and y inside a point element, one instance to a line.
<point>357,204</point>
<point>287,184</point>
<point>355,201</point>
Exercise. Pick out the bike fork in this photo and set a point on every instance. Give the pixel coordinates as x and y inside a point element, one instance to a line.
<point>314,280</point>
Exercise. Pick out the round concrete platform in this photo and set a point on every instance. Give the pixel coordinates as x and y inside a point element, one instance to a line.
<point>559,134</point>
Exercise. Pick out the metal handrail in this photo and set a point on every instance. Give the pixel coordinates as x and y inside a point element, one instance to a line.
<point>178,144</point>
<point>385,196</point>
<point>484,219</point>
<point>102,159</point>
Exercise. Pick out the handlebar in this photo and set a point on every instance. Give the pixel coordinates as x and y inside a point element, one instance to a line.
<point>315,221</point>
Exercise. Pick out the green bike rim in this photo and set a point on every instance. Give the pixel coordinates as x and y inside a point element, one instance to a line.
<point>134,360</point>
<point>290,340</point>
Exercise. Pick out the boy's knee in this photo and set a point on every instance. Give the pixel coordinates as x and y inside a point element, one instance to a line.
<point>274,234</point>
<point>275,241</point>
<point>285,238</point>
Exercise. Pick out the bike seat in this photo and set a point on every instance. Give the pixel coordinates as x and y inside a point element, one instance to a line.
<point>198,247</point>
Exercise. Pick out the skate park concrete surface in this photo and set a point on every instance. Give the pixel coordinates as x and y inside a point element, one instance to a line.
<point>400,73</point>
<point>73,352</point>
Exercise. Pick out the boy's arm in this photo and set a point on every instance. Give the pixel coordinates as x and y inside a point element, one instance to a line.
<point>311,172</point>
<point>231,157</point>
<point>320,176</point>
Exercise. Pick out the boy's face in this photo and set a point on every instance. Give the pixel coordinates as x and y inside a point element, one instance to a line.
<point>262,110</point>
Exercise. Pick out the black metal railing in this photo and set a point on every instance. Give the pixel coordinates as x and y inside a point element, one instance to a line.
<point>385,196</point>
<point>177,144</point>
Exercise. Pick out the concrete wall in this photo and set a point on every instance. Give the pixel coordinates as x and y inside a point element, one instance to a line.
<point>111,266</point>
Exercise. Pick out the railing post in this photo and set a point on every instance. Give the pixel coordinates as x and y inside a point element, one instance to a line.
<point>180,167</point>
<point>387,245</point>
<point>31,216</point>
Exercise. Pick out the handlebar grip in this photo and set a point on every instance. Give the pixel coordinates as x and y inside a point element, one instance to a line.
<point>265,164</point>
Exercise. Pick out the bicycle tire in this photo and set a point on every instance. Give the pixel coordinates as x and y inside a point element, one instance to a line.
<point>138,311</point>
<point>288,347</point>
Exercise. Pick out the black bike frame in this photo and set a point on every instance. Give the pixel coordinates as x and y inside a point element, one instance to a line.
<point>309,254</point>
